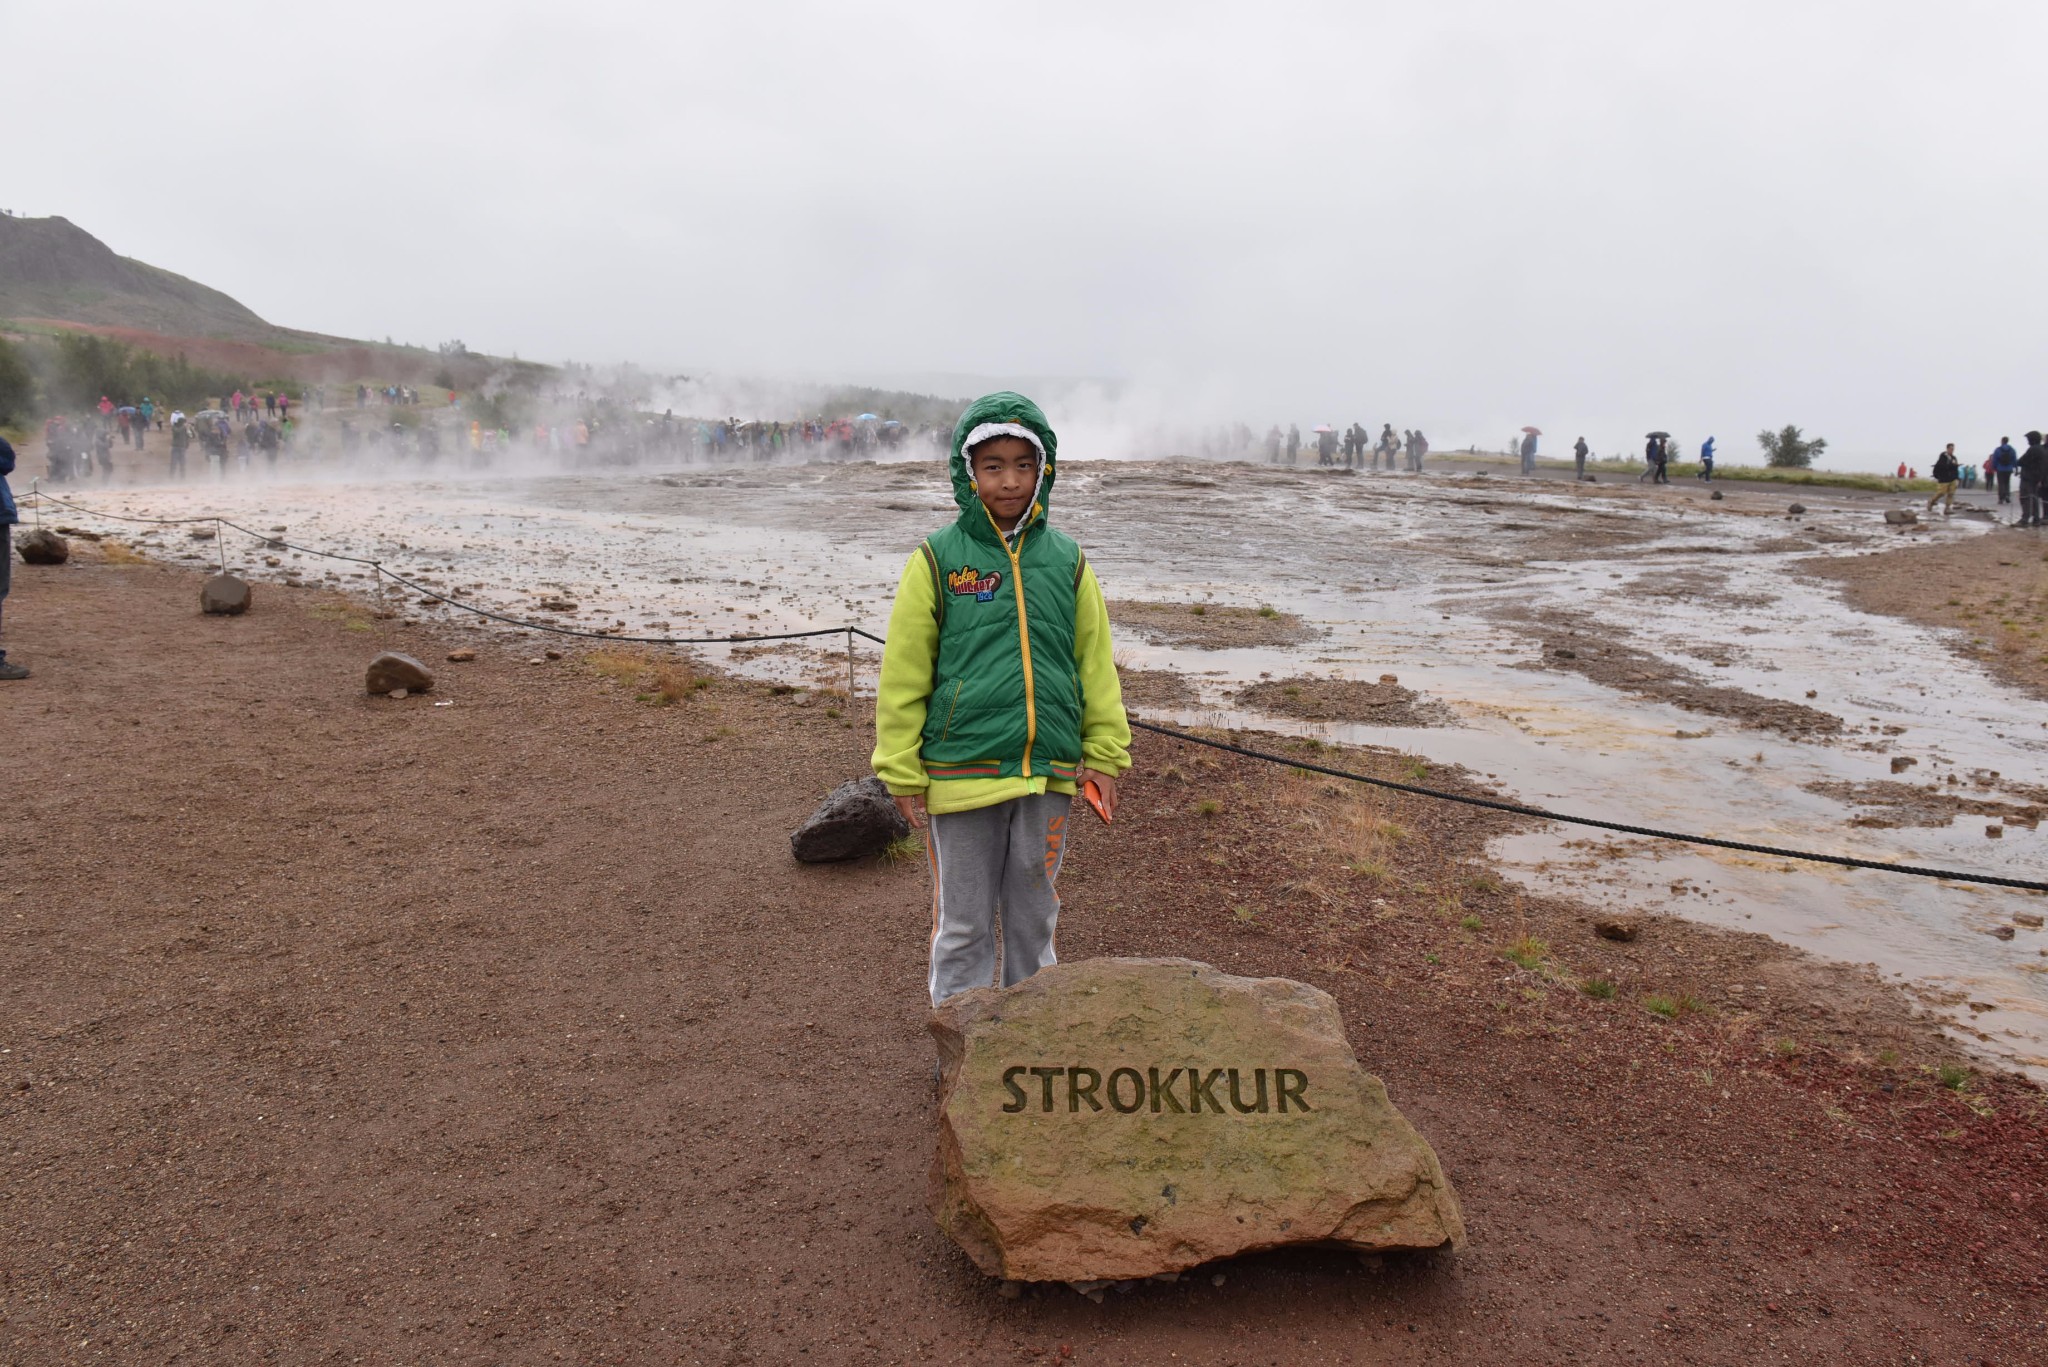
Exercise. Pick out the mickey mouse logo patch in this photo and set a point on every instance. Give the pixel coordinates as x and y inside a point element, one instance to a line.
<point>968,580</point>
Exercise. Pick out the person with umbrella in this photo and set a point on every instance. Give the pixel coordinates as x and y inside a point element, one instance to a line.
<point>1654,456</point>
<point>1529,436</point>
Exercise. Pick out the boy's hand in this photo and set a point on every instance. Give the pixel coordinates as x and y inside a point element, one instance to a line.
<point>1104,784</point>
<point>912,807</point>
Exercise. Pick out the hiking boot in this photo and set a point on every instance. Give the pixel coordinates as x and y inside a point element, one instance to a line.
<point>8,671</point>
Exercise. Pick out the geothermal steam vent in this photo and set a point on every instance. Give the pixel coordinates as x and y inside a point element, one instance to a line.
<point>1118,1118</point>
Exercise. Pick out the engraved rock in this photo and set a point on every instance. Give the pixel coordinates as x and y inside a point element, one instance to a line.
<point>1119,1118</point>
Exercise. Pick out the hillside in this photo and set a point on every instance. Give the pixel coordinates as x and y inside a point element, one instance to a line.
<point>50,268</point>
<point>58,281</point>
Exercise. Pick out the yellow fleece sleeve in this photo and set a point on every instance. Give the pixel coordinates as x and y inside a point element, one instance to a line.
<point>1105,730</point>
<point>905,690</point>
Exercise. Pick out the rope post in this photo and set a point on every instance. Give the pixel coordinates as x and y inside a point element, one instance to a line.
<point>849,670</point>
<point>220,543</point>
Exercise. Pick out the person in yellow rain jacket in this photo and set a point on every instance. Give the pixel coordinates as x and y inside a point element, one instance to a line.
<point>997,697</point>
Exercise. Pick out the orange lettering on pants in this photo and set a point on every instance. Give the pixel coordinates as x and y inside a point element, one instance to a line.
<point>1055,833</point>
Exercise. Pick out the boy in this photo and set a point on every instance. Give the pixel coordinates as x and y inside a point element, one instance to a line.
<point>997,697</point>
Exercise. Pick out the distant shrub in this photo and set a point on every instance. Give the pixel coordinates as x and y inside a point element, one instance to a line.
<point>1791,447</point>
<point>17,386</point>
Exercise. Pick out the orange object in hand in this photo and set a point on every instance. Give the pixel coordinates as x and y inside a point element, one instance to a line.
<point>1093,794</point>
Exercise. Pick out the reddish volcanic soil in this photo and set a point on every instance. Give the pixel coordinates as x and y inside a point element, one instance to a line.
<point>342,1029</point>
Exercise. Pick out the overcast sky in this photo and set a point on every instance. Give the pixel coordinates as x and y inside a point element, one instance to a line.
<point>1465,216</point>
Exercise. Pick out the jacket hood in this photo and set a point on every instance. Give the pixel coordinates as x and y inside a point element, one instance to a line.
<point>1002,414</point>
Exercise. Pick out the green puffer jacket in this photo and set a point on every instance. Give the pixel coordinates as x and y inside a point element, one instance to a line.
<point>997,679</point>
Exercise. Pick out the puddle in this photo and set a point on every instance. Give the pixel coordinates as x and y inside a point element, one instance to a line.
<point>1404,576</point>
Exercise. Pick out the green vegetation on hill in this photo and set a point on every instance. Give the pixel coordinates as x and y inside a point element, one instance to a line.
<point>908,409</point>
<point>1760,474</point>
<point>17,386</point>
<point>80,367</point>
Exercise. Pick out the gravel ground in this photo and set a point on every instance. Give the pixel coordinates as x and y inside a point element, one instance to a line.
<point>340,1029</point>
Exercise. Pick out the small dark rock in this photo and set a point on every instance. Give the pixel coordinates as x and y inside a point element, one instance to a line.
<point>2003,932</point>
<point>859,818</point>
<point>201,533</point>
<point>1617,928</point>
<point>1796,509</point>
<point>42,547</point>
<point>392,671</point>
<point>1717,495</point>
<point>1901,763</point>
<point>1901,517</point>
<point>224,596</point>
<point>1563,654</point>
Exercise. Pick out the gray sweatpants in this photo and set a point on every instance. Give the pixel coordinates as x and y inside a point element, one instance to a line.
<point>1003,859</point>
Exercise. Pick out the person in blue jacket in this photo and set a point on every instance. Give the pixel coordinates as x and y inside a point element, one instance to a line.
<point>1707,459</point>
<point>9,515</point>
<point>2004,460</point>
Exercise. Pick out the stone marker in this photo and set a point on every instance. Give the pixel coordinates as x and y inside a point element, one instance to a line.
<point>1901,517</point>
<point>42,547</point>
<point>1119,1118</point>
<point>392,670</point>
<point>224,596</point>
<point>858,818</point>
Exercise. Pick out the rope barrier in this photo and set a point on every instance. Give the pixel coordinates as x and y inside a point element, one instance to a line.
<point>1494,804</point>
<point>851,631</point>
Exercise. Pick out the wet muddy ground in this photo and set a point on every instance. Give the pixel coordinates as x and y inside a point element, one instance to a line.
<point>1714,682</point>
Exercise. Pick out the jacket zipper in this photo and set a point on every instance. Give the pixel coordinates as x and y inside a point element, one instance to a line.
<point>1024,642</point>
<point>1023,631</point>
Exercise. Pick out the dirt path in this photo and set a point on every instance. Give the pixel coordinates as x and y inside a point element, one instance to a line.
<point>342,1029</point>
